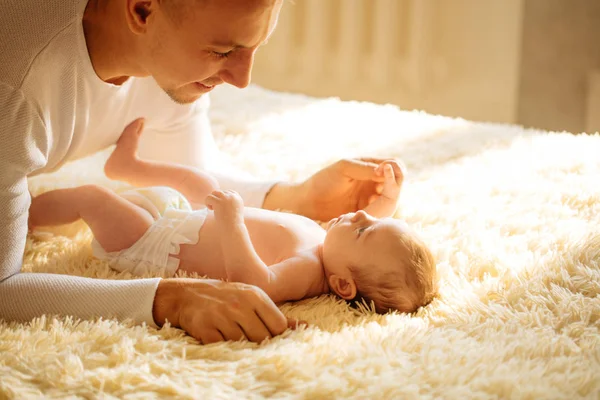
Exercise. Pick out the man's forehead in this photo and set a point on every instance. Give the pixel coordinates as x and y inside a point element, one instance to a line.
<point>237,32</point>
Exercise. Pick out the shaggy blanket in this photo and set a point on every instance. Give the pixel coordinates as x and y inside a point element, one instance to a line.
<point>512,217</point>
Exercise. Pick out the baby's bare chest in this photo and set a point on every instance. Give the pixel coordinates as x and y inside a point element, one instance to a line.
<point>281,236</point>
<point>274,236</point>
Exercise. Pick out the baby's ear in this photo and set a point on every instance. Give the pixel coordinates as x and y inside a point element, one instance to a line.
<point>343,286</point>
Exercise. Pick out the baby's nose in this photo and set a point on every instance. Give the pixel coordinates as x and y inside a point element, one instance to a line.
<point>359,215</point>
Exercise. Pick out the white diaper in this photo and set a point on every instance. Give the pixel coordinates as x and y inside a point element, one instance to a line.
<point>160,197</point>
<point>153,252</point>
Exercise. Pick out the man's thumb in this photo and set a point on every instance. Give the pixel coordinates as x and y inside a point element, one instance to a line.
<point>361,170</point>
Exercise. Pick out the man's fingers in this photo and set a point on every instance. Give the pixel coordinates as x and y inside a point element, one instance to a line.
<point>213,311</point>
<point>262,331</point>
<point>272,318</point>
<point>359,170</point>
<point>231,331</point>
<point>372,160</point>
<point>253,327</point>
<point>199,327</point>
<point>212,335</point>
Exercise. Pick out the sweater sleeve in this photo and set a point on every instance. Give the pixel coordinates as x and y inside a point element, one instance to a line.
<point>24,146</point>
<point>188,140</point>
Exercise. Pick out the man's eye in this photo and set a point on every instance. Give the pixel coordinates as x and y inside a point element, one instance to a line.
<point>359,231</point>
<point>221,55</point>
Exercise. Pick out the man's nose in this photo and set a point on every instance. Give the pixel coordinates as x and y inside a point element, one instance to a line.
<point>238,71</point>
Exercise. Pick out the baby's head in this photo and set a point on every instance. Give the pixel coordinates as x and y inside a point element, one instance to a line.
<point>380,260</point>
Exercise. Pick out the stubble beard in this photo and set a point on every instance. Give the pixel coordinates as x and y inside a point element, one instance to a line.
<point>180,98</point>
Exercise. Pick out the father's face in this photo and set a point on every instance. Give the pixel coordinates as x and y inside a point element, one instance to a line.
<point>208,44</point>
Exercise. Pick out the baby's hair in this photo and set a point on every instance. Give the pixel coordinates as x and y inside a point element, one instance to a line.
<point>406,286</point>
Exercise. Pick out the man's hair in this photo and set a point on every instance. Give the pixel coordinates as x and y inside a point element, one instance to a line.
<point>178,9</point>
<point>406,286</point>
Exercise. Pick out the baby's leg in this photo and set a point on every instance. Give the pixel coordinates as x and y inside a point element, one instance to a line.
<point>115,222</point>
<point>124,165</point>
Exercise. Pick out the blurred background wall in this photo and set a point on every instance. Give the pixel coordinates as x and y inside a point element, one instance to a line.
<point>530,62</point>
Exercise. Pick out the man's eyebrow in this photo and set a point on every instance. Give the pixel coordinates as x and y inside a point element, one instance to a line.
<point>233,45</point>
<point>228,45</point>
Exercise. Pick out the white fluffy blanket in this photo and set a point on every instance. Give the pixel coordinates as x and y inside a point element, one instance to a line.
<point>511,215</point>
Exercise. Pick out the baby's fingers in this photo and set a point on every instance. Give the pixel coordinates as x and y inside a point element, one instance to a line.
<point>398,169</point>
<point>388,173</point>
<point>391,187</point>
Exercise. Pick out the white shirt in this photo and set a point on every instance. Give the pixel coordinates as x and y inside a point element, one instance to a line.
<point>54,108</point>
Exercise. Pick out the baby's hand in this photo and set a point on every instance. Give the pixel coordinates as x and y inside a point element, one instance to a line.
<point>227,205</point>
<point>393,178</point>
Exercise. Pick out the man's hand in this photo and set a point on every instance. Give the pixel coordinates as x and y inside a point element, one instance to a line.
<point>343,187</point>
<point>227,205</point>
<point>212,310</point>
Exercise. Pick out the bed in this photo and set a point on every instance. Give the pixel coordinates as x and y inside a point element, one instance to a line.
<point>511,215</point>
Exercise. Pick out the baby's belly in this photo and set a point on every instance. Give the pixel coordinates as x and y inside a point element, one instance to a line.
<point>204,258</point>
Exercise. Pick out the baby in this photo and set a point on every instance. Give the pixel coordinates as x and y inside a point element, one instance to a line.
<point>358,256</point>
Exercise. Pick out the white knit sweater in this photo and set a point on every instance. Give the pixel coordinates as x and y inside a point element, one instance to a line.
<point>54,108</point>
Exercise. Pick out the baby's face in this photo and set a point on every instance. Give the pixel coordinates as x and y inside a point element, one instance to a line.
<point>358,239</point>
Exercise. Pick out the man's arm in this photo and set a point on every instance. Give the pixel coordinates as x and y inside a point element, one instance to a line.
<point>203,308</point>
<point>23,149</point>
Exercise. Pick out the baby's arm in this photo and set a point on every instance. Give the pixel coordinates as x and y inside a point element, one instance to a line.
<point>242,264</point>
<point>124,165</point>
<point>387,202</point>
<point>292,279</point>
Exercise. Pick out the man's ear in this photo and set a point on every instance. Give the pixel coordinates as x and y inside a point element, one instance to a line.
<point>343,286</point>
<point>138,12</point>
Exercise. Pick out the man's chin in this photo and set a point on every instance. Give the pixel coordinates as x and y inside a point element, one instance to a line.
<point>182,98</point>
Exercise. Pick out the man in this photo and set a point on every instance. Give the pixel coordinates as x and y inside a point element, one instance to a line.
<point>73,73</point>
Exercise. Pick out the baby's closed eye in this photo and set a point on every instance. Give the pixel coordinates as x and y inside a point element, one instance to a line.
<point>360,231</point>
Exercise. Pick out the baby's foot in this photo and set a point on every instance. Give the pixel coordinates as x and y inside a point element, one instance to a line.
<point>124,156</point>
